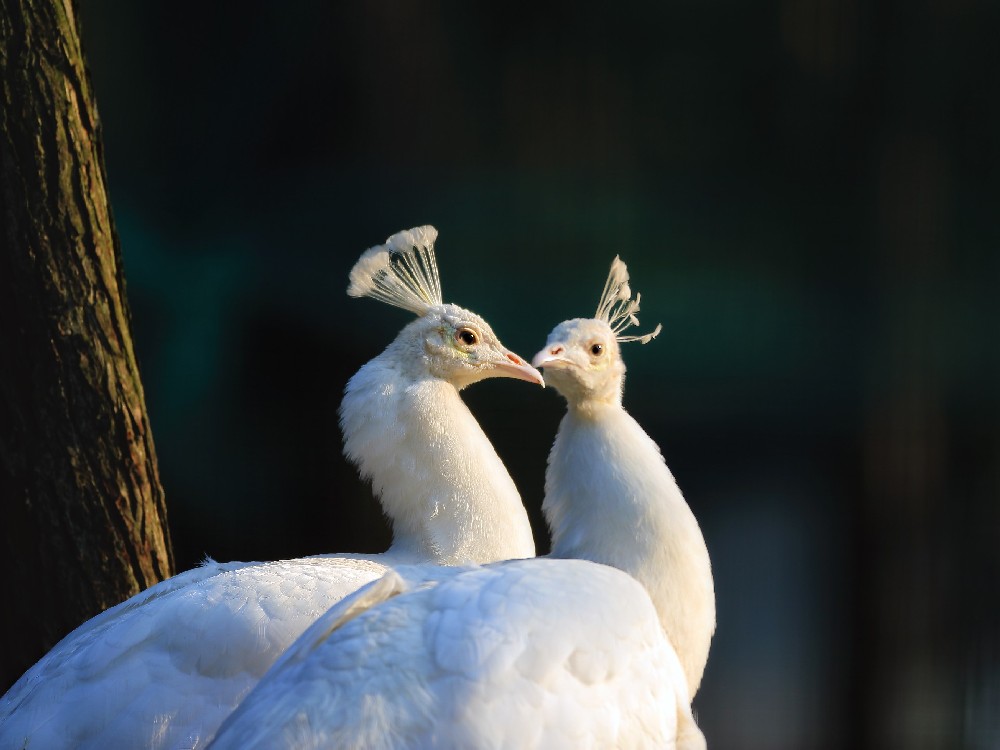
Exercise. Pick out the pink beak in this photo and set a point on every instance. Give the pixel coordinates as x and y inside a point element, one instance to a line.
<point>516,367</point>
<point>551,356</point>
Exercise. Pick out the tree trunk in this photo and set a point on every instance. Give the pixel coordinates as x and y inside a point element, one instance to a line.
<point>82,511</point>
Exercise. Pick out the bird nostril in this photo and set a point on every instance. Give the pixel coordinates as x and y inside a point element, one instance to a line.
<point>556,351</point>
<point>515,359</point>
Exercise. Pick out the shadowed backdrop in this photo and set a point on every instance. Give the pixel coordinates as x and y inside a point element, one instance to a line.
<point>805,193</point>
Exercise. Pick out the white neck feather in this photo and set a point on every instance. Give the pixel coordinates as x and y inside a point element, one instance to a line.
<point>626,510</point>
<point>438,477</point>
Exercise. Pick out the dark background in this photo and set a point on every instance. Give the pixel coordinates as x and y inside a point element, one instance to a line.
<point>806,195</point>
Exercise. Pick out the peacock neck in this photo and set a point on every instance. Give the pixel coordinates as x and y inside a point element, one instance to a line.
<point>440,481</point>
<point>610,498</point>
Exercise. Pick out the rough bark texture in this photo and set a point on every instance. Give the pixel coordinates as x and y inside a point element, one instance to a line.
<point>82,514</point>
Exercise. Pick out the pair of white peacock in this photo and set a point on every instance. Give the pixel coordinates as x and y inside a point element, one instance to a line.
<point>163,669</point>
<point>545,653</point>
<point>603,650</point>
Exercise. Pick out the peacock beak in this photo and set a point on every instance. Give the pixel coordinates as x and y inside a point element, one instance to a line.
<point>552,356</point>
<point>513,366</point>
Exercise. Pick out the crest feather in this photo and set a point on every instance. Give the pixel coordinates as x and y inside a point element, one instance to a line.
<point>402,272</point>
<point>618,309</point>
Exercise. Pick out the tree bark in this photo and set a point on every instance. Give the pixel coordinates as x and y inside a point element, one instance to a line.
<point>82,510</point>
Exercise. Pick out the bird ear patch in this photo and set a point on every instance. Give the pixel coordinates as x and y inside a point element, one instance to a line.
<point>618,309</point>
<point>402,272</point>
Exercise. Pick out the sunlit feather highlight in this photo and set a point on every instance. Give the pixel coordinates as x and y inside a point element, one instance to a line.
<point>403,272</point>
<point>618,309</point>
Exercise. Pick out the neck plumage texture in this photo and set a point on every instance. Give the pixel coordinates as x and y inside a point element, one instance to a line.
<point>438,477</point>
<point>610,498</point>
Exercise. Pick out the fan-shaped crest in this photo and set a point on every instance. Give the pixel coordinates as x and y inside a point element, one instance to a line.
<point>402,272</point>
<point>618,309</point>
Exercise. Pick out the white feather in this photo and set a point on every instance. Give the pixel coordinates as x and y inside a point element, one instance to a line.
<point>609,496</point>
<point>648,529</point>
<point>435,472</point>
<point>402,272</point>
<point>553,653</point>
<point>617,308</point>
<point>163,669</point>
<point>529,654</point>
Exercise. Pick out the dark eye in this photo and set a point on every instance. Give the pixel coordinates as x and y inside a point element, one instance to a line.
<point>597,349</point>
<point>467,336</point>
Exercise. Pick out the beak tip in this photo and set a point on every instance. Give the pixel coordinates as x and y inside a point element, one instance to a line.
<point>520,371</point>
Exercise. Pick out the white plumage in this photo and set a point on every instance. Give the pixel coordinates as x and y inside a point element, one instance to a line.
<point>545,653</point>
<point>163,669</point>
<point>605,473</point>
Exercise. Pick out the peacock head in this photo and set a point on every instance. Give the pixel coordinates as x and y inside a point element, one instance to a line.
<point>447,341</point>
<point>582,357</point>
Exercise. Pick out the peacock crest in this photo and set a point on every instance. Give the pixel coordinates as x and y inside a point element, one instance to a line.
<point>618,309</point>
<point>403,272</point>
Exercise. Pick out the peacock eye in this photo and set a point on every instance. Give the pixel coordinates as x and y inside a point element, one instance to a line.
<point>467,336</point>
<point>597,349</point>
